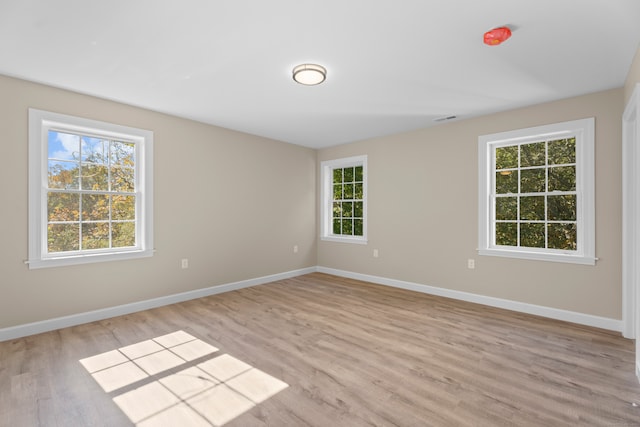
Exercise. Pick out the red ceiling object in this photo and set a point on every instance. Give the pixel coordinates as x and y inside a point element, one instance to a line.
<point>497,35</point>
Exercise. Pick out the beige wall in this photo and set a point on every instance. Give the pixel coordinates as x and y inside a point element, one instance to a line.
<point>633,77</point>
<point>423,210</point>
<point>234,204</point>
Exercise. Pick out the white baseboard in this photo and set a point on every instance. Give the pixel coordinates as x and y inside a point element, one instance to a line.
<point>91,316</point>
<point>552,313</point>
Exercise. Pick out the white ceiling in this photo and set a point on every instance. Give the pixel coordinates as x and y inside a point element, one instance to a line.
<point>392,66</point>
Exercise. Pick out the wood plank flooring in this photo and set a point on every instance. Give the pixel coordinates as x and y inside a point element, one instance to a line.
<point>352,354</point>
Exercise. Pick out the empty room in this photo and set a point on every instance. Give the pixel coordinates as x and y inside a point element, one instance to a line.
<point>364,213</point>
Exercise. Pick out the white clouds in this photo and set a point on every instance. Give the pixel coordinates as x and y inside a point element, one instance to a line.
<point>64,146</point>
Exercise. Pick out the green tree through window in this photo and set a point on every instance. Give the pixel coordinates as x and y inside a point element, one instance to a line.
<point>348,202</point>
<point>535,195</point>
<point>91,199</point>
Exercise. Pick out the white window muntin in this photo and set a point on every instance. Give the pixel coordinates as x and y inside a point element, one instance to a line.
<point>495,196</point>
<point>110,137</point>
<point>326,197</point>
<point>40,123</point>
<point>583,130</point>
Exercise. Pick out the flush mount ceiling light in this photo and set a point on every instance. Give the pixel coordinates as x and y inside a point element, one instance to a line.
<point>309,74</point>
<point>497,35</point>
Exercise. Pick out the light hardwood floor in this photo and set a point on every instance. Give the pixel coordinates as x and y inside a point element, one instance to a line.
<point>352,354</point>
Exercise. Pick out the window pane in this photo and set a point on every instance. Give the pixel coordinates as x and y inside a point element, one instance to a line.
<point>506,208</point>
<point>532,235</point>
<point>357,227</point>
<point>347,209</point>
<point>123,180</point>
<point>358,209</point>
<point>561,208</point>
<point>506,234</point>
<point>63,237</point>
<point>63,175</point>
<point>562,151</point>
<point>94,150</point>
<point>358,192</point>
<point>95,207</point>
<point>532,208</point>
<point>507,157</point>
<point>337,209</point>
<point>123,234</point>
<point>348,174</point>
<point>123,208</point>
<point>347,227</point>
<point>337,176</point>
<point>63,146</point>
<point>122,154</point>
<point>63,207</point>
<point>348,191</point>
<point>337,192</point>
<point>506,182</point>
<point>532,154</point>
<point>95,177</point>
<point>562,178</point>
<point>359,174</point>
<point>337,226</point>
<point>95,235</point>
<point>563,236</point>
<point>532,180</point>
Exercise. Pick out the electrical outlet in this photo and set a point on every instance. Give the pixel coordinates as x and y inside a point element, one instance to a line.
<point>471,263</point>
<point>185,263</point>
<point>375,253</point>
<point>295,249</point>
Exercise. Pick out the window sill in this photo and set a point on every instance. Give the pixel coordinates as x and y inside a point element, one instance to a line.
<point>539,256</point>
<point>86,259</point>
<point>356,240</point>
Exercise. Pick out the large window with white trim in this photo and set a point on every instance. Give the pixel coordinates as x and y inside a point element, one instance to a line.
<point>90,190</point>
<point>536,193</point>
<point>344,199</point>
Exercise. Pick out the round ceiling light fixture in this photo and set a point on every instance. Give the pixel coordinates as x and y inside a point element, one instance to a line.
<point>497,35</point>
<point>309,74</point>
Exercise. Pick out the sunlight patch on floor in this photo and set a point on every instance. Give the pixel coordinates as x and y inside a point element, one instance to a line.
<point>148,384</point>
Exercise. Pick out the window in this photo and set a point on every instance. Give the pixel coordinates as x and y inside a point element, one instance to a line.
<point>90,191</point>
<point>537,193</point>
<point>344,200</point>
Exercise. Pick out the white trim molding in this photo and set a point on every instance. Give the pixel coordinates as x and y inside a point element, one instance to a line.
<point>106,313</point>
<point>630,211</point>
<point>631,221</point>
<point>538,310</point>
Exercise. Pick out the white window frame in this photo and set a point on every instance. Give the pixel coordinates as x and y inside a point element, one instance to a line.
<point>326,197</point>
<point>584,132</point>
<point>39,124</point>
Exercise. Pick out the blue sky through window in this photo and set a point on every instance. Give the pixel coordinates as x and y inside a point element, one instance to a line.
<point>63,146</point>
